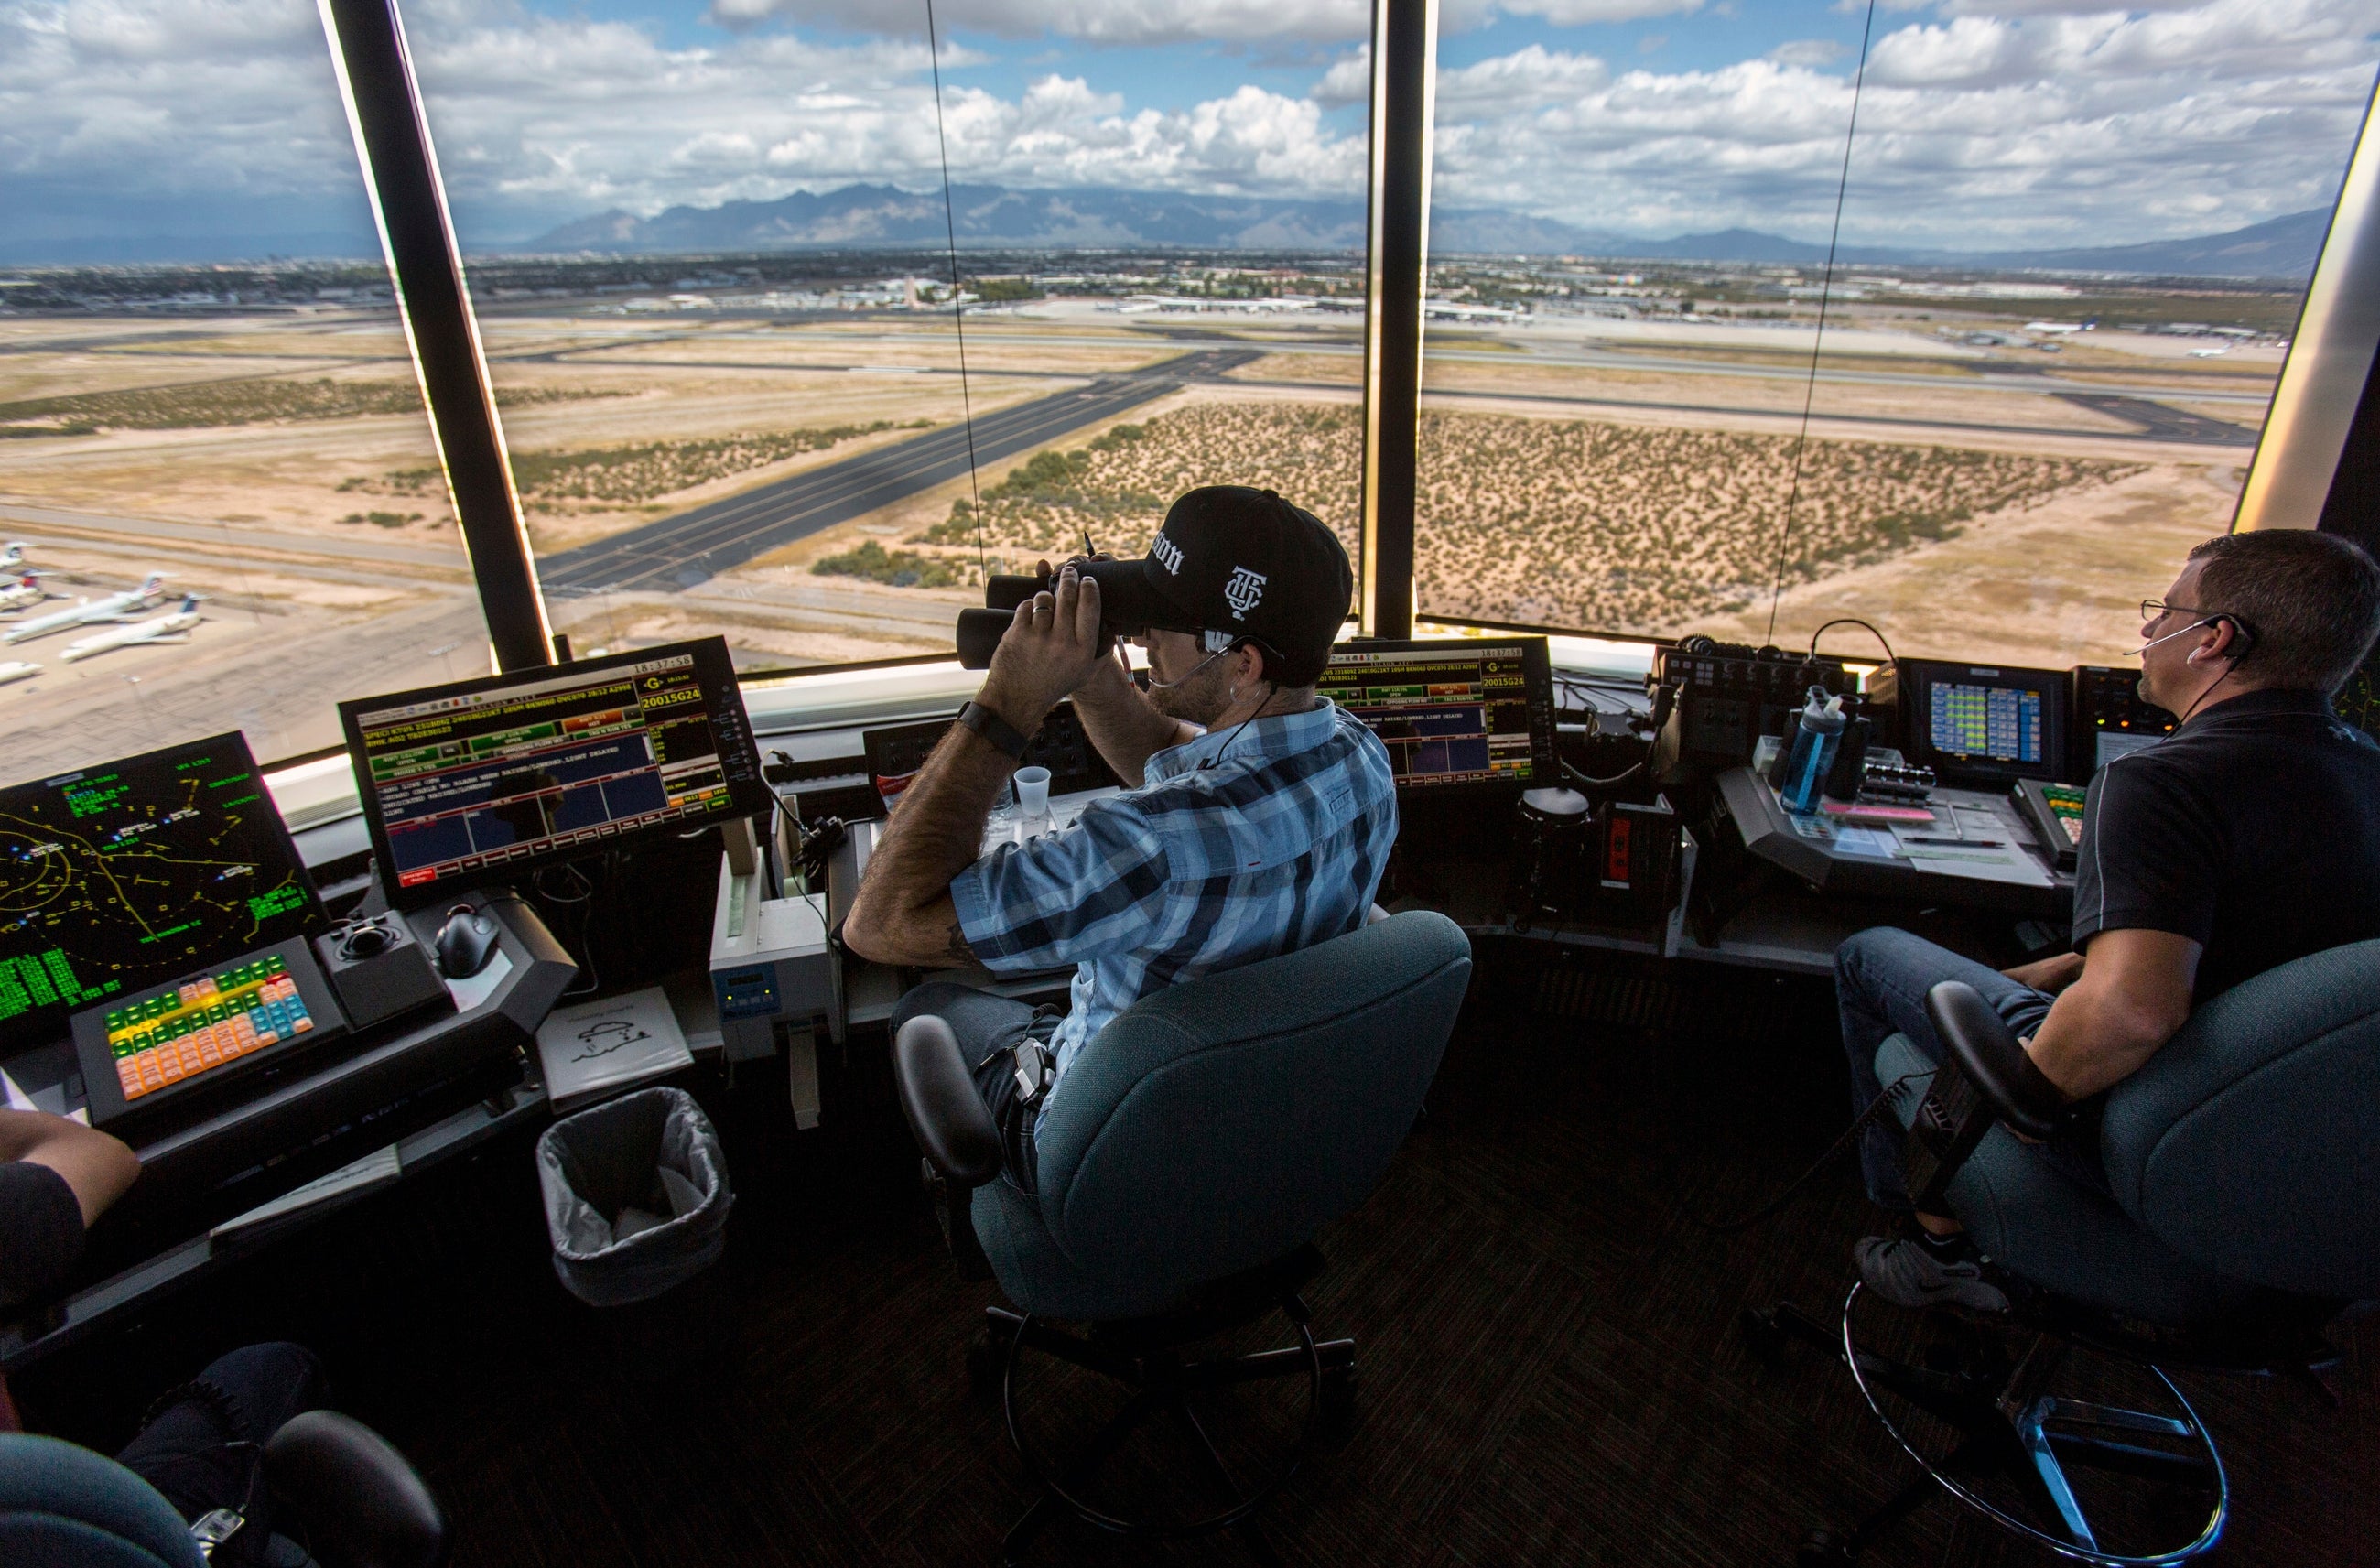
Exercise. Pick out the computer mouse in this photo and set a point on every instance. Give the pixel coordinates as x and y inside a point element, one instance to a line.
<point>465,943</point>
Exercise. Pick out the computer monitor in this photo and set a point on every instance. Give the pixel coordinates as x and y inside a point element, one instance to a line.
<point>1454,712</point>
<point>1982,725</point>
<point>493,777</point>
<point>133,873</point>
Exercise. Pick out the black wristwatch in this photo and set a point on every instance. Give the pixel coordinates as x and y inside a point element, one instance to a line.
<point>995,729</point>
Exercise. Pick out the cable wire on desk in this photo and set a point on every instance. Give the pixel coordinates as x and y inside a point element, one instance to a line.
<point>1580,775</point>
<point>1852,621</point>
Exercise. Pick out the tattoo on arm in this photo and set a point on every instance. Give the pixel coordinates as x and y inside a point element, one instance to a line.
<point>957,945</point>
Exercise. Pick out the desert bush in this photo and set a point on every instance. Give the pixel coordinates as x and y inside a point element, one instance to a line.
<point>900,568</point>
<point>1619,527</point>
<point>597,477</point>
<point>232,403</point>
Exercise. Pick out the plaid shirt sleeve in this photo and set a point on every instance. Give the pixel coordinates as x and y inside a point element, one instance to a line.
<point>1066,897</point>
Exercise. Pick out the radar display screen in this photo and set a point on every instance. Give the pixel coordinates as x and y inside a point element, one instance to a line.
<point>130,874</point>
<point>1452,711</point>
<point>493,777</point>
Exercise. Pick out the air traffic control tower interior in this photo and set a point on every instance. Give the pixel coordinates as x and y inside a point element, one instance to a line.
<point>606,959</point>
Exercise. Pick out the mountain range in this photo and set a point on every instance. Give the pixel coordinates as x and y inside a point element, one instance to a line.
<point>988,216</point>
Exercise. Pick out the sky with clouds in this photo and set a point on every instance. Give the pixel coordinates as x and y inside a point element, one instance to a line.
<point>1983,124</point>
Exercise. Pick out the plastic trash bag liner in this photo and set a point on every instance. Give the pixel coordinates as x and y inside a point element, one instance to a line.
<point>636,1196</point>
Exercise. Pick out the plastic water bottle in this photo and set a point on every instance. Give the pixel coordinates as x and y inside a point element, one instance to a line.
<point>1813,752</point>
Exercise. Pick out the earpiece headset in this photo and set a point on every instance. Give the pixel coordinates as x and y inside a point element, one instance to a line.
<point>2242,633</point>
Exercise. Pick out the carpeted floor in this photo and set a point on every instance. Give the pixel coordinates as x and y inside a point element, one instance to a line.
<point>1551,1367</point>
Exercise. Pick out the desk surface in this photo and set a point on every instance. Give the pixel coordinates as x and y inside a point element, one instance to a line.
<point>1871,862</point>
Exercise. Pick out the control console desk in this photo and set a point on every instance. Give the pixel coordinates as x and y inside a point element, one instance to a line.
<point>1971,848</point>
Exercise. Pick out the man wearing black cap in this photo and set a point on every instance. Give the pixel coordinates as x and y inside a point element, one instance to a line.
<point>1257,819</point>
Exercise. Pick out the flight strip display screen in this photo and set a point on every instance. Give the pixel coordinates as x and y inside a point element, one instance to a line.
<point>1996,722</point>
<point>1978,725</point>
<point>498,776</point>
<point>1452,711</point>
<point>130,874</point>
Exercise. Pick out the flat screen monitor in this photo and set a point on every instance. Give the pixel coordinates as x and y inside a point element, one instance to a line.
<point>1984,725</point>
<point>493,777</point>
<point>896,752</point>
<point>1454,712</point>
<point>132,873</point>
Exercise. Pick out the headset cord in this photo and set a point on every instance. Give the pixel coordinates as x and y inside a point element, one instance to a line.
<point>1861,1124</point>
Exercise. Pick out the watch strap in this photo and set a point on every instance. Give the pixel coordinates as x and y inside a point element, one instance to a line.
<point>995,729</point>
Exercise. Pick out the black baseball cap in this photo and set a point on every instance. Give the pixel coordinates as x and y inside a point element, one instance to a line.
<point>1238,562</point>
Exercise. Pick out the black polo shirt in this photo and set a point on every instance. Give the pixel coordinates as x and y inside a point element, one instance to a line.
<point>2254,830</point>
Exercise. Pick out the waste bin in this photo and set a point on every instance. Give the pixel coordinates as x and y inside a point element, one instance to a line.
<point>636,1196</point>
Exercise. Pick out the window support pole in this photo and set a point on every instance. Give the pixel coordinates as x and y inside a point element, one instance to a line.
<point>1404,60</point>
<point>416,234</point>
<point>2318,462</point>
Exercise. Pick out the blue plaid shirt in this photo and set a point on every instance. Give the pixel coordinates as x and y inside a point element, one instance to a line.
<point>1242,845</point>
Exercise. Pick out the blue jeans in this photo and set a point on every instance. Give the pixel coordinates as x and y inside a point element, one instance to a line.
<point>1881,978</point>
<point>200,1444</point>
<point>989,1028</point>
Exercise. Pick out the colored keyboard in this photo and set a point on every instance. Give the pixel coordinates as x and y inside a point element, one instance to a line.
<point>203,1024</point>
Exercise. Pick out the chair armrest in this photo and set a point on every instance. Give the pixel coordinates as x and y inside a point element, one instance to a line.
<point>360,1504</point>
<point>1989,1055</point>
<point>937,1095</point>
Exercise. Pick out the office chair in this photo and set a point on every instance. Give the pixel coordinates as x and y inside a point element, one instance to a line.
<point>2244,1164</point>
<point>1185,1163</point>
<point>354,1500</point>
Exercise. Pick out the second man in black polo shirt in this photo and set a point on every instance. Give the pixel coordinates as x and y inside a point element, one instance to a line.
<point>2249,837</point>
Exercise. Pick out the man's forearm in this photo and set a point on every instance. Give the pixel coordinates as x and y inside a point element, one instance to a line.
<point>1121,724</point>
<point>97,1167</point>
<point>902,912</point>
<point>2095,1037</point>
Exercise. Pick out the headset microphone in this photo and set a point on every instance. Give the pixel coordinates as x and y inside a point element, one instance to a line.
<point>2144,648</point>
<point>1156,684</point>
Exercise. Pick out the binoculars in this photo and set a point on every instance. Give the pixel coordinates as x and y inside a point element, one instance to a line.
<point>1127,607</point>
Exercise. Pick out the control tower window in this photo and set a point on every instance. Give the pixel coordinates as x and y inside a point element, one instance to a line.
<point>714,281</point>
<point>2052,325</point>
<point>205,393</point>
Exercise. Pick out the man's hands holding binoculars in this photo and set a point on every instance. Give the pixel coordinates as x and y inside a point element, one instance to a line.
<point>1052,647</point>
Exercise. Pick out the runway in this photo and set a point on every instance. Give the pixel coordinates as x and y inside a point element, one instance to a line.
<point>678,553</point>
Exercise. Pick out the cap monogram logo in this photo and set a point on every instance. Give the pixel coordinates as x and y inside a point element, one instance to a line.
<point>1169,555</point>
<point>1243,591</point>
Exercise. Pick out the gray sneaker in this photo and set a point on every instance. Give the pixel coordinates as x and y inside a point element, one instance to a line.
<point>1906,1274</point>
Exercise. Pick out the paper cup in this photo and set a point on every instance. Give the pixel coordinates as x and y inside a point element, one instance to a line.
<point>1033,791</point>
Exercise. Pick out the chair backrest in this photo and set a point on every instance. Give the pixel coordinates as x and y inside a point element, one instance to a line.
<point>1218,1124</point>
<point>66,1507</point>
<point>2251,1143</point>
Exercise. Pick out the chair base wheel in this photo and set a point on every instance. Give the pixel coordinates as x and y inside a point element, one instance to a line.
<point>1763,1335</point>
<point>1334,1416</point>
<point>1823,1548</point>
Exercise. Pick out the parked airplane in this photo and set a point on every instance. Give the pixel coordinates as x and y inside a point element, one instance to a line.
<point>12,555</point>
<point>16,670</point>
<point>115,607</point>
<point>174,627</point>
<point>26,591</point>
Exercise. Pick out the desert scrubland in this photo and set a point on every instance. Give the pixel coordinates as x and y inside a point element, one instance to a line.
<point>1564,522</point>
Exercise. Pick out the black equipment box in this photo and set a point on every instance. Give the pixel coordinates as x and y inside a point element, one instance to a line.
<point>1727,696</point>
<point>380,970</point>
<point>2109,719</point>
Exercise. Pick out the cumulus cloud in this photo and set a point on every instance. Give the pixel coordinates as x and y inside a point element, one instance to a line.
<point>2036,124</point>
<point>2027,122</point>
<point>1575,13</point>
<point>1103,21</point>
